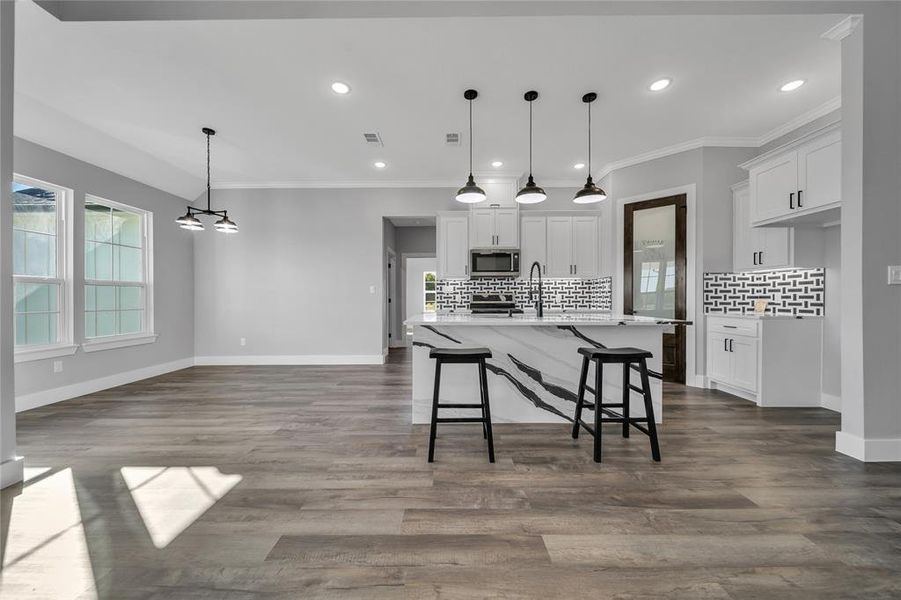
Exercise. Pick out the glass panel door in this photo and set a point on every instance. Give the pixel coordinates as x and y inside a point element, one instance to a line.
<point>654,262</point>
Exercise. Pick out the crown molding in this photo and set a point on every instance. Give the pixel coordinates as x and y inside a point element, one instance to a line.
<point>843,28</point>
<point>320,184</point>
<point>703,142</point>
<point>801,120</point>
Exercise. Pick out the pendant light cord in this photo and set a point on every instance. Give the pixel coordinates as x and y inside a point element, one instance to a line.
<point>530,139</point>
<point>589,139</point>
<point>208,172</point>
<point>470,139</point>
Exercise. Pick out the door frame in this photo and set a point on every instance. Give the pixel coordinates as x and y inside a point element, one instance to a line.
<point>390,298</point>
<point>694,351</point>
<point>403,285</point>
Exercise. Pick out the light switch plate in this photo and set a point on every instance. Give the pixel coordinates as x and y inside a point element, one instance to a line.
<point>894,274</point>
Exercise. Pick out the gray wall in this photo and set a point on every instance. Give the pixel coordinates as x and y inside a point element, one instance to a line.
<point>173,271</point>
<point>295,280</point>
<point>415,239</point>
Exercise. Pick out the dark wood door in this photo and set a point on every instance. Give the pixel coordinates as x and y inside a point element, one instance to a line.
<point>654,263</point>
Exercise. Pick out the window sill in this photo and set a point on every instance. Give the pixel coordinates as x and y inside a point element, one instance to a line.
<point>121,341</point>
<point>44,352</point>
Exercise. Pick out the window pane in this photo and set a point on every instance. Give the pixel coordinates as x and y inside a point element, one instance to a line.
<point>128,260</point>
<point>40,254</point>
<point>106,323</point>
<point>18,252</point>
<point>21,340</point>
<point>34,209</point>
<point>20,292</point>
<point>106,297</point>
<point>131,321</point>
<point>430,297</point>
<point>103,262</point>
<point>90,324</point>
<point>38,329</point>
<point>90,294</point>
<point>37,298</point>
<point>127,228</point>
<point>97,223</point>
<point>131,297</point>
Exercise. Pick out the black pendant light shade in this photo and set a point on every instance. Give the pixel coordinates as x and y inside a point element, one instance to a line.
<point>530,193</point>
<point>589,193</point>
<point>470,193</point>
<point>189,221</point>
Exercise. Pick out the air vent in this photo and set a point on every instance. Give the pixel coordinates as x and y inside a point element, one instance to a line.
<point>453,139</point>
<point>373,139</point>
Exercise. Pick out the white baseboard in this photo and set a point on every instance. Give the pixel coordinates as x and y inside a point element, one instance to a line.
<point>12,471</point>
<point>697,381</point>
<point>285,359</point>
<point>66,392</point>
<point>868,450</point>
<point>724,387</point>
<point>831,402</point>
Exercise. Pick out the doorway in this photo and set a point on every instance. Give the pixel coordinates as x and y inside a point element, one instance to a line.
<point>420,292</point>
<point>654,271</point>
<point>390,291</point>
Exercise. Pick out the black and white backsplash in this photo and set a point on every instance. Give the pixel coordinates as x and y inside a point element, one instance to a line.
<point>559,294</point>
<point>797,292</point>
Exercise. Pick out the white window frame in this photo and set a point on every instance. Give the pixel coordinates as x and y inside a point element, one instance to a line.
<point>426,292</point>
<point>65,344</point>
<point>147,336</point>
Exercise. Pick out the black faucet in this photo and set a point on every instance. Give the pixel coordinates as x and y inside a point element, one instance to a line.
<point>539,304</point>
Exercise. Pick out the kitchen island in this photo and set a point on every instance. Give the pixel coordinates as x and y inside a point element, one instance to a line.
<point>533,375</point>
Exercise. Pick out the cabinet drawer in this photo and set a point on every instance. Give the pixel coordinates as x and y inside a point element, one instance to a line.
<point>731,326</point>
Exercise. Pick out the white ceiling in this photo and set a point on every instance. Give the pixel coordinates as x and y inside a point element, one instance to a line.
<point>132,96</point>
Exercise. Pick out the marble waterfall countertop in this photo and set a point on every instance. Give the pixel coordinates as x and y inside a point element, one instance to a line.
<point>531,319</point>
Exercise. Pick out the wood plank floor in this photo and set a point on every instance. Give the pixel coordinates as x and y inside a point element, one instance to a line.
<point>309,482</point>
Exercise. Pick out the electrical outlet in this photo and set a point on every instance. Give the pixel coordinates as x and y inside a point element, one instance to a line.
<point>371,289</point>
<point>894,274</point>
<point>243,341</point>
<point>57,366</point>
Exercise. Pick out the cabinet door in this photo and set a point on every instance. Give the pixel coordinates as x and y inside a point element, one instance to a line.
<point>559,247</point>
<point>719,359</point>
<point>744,362</point>
<point>481,228</point>
<point>453,250</point>
<point>820,172</point>
<point>742,249</point>
<point>774,244</point>
<point>774,187</point>
<point>585,247</point>
<point>506,227</point>
<point>533,244</point>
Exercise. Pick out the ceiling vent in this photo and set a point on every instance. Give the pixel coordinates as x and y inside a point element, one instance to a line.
<point>452,139</point>
<point>373,139</point>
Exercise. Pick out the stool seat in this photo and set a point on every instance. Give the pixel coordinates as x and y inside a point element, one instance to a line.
<point>460,354</point>
<point>615,355</point>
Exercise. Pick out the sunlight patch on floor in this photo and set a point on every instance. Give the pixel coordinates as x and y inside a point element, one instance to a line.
<point>169,499</point>
<point>46,554</point>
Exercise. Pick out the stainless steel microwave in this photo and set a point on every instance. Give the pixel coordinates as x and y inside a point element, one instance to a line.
<point>494,263</point>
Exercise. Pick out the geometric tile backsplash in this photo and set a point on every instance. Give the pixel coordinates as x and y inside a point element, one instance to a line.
<point>559,294</point>
<point>790,292</point>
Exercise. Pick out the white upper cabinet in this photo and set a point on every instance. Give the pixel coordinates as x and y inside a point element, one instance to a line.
<point>765,248</point>
<point>494,227</point>
<point>559,246</point>
<point>799,184</point>
<point>585,247</point>
<point>533,244</point>
<point>820,172</point>
<point>453,245</point>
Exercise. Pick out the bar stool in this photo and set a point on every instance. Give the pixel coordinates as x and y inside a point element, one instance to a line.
<point>473,356</point>
<point>626,357</point>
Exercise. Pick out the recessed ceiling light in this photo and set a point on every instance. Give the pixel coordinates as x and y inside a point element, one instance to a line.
<point>579,166</point>
<point>660,84</point>
<point>339,87</point>
<point>497,164</point>
<point>379,164</point>
<point>791,85</point>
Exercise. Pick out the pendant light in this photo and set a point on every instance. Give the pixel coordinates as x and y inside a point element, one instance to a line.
<point>590,192</point>
<point>470,193</point>
<point>531,193</point>
<point>189,221</point>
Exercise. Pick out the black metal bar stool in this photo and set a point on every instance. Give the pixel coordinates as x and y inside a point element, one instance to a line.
<point>473,356</point>
<point>602,413</point>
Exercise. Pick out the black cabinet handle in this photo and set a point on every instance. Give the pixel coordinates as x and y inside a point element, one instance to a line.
<point>755,258</point>
<point>799,198</point>
<point>730,345</point>
<point>791,201</point>
<point>730,327</point>
<point>760,259</point>
<point>725,344</point>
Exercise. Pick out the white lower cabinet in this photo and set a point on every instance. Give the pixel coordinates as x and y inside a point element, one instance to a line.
<point>775,361</point>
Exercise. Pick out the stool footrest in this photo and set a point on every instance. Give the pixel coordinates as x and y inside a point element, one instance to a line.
<point>459,406</point>
<point>460,420</point>
<point>635,388</point>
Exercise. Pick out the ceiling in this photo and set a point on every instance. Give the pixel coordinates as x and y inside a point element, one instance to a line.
<point>132,96</point>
